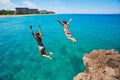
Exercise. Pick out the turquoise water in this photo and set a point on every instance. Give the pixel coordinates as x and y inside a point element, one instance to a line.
<point>19,53</point>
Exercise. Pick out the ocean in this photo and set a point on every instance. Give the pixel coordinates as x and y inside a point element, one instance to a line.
<point>20,57</point>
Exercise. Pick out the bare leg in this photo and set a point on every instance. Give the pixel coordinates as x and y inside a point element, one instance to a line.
<point>73,39</point>
<point>43,53</point>
<point>47,56</point>
<point>49,53</point>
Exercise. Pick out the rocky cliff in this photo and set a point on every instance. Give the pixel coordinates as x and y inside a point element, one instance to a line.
<point>101,65</point>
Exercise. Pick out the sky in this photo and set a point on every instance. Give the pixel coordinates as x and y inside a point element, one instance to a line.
<point>66,6</point>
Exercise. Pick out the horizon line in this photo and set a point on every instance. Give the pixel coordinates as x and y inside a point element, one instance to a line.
<point>88,13</point>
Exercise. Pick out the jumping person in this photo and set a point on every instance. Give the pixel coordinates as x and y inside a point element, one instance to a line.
<point>38,37</point>
<point>65,25</point>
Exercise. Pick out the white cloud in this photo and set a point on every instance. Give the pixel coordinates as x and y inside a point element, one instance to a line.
<point>29,4</point>
<point>6,4</point>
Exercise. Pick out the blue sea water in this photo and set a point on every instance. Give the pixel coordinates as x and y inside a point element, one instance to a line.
<point>19,54</point>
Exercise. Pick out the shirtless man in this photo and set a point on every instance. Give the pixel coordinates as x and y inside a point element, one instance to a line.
<point>67,32</point>
<point>38,37</point>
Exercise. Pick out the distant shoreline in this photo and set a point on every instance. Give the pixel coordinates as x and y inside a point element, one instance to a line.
<point>17,15</point>
<point>24,15</point>
<point>47,14</point>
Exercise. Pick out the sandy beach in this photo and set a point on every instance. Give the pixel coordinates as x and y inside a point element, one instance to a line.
<point>19,15</point>
<point>24,15</point>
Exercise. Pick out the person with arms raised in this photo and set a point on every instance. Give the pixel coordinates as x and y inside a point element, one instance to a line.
<point>65,25</point>
<point>38,37</point>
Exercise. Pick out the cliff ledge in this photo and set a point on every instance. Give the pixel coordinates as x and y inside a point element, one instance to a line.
<point>101,65</point>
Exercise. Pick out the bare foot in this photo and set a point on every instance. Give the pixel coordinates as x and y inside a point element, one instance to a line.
<point>74,40</point>
<point>50,58</point>
<point>49,53</point>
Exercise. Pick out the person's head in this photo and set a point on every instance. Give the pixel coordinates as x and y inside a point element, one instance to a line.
<point>37,34</point>
<point>64,21</point>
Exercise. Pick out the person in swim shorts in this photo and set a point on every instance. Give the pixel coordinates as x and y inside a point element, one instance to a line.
<point>38,37</point>
<point>65,25</point>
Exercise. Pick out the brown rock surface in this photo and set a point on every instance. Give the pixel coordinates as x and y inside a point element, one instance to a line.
<point>101,65</point>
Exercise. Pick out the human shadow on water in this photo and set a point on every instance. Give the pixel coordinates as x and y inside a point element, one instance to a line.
<point>17,68</point>
<point>63,50</point>
<point>80,49</point>
<point>77,64</point>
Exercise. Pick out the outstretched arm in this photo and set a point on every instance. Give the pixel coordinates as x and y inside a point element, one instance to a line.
<point>69,21</point>
<point>59,21</point>
<point>40,30</point>
<point>32,30</point>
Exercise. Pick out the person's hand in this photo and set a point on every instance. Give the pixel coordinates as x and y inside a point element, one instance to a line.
<point>39,25</point>
<point>30,26</point>
<point>70,19</point>
<point>57,19</point>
